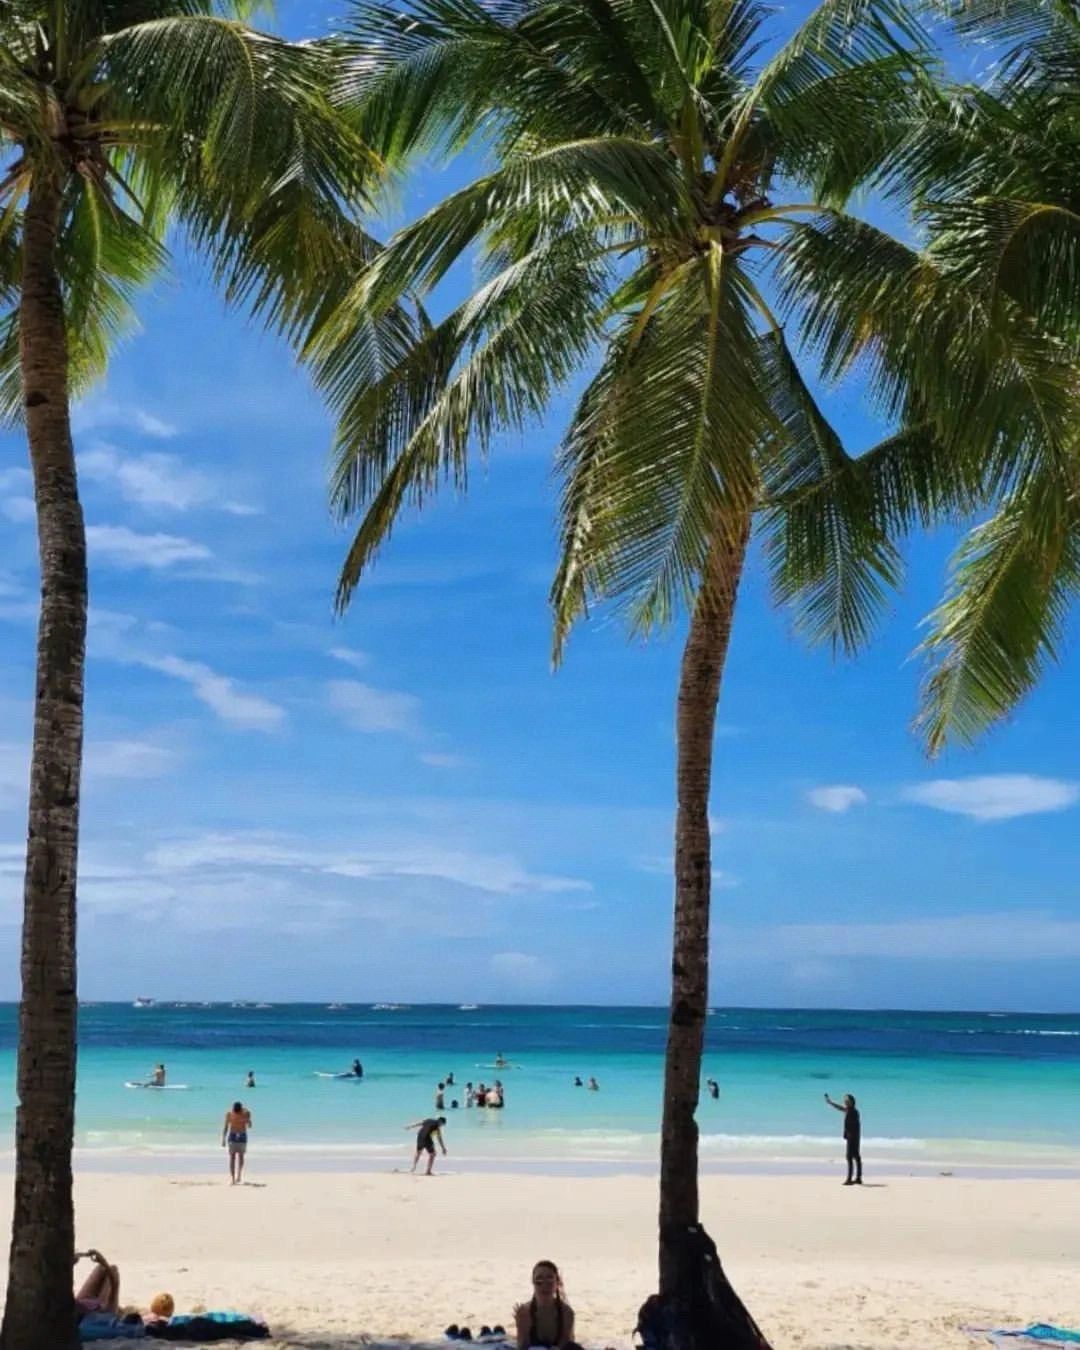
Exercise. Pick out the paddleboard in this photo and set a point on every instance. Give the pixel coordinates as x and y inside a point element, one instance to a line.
<point>338,1075</point>
<point>497,1066</point>
<point>160,1087</point>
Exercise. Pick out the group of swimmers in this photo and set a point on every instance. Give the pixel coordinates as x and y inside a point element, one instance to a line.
<point>592,1084</point>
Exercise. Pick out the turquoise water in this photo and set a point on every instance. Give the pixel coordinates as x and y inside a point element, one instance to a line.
<point>982,1088</point>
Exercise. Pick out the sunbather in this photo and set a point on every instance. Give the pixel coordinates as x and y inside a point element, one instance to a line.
<point>547,1319</point>
<point>100,1291</point>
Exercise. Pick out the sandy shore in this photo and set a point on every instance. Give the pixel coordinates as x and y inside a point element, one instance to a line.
<point>330,1259</point>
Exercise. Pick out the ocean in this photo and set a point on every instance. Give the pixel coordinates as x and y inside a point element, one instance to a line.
<point>976,1090</point>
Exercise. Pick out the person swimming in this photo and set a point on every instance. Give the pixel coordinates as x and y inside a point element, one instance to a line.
<point>547,1319</point>
<point>250,1083</point>
<point>594,1086</point>
<point>714,1088</point>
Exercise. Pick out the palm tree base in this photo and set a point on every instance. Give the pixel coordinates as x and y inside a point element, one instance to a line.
<point>703,1312</point>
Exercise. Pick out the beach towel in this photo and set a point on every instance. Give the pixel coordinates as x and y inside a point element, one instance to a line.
<point>108,1327</point>
<point>1042,1333</point>
<point>211,1326</point>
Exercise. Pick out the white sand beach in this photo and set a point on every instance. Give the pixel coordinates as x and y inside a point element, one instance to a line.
<point>333,1260</point>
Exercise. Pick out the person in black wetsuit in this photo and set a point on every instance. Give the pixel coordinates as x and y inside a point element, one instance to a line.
<point>357,1069</point>
<point>852,1137</point>
<point>428,1134</point>
<point>547,1319</point>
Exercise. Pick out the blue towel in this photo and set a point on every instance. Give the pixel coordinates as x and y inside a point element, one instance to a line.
<point>1041,1332</point>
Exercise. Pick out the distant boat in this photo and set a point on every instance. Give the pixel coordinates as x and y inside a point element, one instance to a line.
<point>143,1003</point>
<point>468,1007</point>
<point>335,1007</point>
<point>390,1007</point>
<point>264,1005</point>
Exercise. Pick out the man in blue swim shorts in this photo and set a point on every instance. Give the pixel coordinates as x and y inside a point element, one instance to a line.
<point>234,1133</point>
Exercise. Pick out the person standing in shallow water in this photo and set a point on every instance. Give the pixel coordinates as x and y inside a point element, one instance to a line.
<point>852,1137</point>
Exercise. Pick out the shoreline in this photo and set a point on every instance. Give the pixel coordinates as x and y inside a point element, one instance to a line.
<point>287,1160</point>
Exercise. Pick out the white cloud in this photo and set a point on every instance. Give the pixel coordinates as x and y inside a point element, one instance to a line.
<point>102,412</point>
<point>158,481</point>
<point>128,759</point>
<point>520,968</point>
<point>497,874</point>
<point>127,548</point>
<point>837,798</point>
<point>1009,936</point>
<point>19,510</point>
<point>220,693</point>
<point>351,657</point>
<point>995,796</point>
<point>14,773</point>
<point>372,710</point>
<point>441,761</point>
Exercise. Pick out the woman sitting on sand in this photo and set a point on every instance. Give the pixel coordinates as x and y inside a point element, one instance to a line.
<point>547,1319</point>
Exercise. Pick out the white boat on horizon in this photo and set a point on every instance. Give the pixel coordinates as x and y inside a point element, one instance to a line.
<point>468,1007</point>
<point>390,1007</point>
<point>144,1003</point>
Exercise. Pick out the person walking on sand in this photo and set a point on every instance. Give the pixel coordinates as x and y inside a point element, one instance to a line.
<point>234,1133</point>
<point>428,1134</point>
<point>852,1137</point>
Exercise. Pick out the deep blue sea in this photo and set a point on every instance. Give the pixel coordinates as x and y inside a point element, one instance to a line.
<point>933,1088</point>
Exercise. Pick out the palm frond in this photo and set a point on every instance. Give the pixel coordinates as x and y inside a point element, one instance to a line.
<point>831,558</point>
<point>660,451</point>
<point>412,403</point>
<point>553,190</point>
<point>1014,579</point>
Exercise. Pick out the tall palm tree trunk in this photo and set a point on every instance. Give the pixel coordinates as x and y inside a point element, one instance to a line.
<point>699,691</point>
<point>39,1313</point>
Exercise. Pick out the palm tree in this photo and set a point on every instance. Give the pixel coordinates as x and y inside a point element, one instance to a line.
<point>118,117</point>
<point>637,206</point>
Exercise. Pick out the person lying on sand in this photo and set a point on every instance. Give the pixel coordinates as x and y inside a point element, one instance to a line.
<point>547,1319</point>
<point>100,1291</point>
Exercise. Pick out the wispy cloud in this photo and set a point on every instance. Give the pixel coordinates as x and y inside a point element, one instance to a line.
<point>19,510</point>
<point>438,760</point>
<point>158,482</point>
<point>128,759</point>
<point>1009,936</point>
<point>495,873</point>
<point>836,798</point>
<point>220,693</point>
<point>351,657</point>
<point>127,548</point>
<point>97,413</point>
<point>520,969</point>
<point>14,773</point>
<point>367,709</point>
<point>994,796</point>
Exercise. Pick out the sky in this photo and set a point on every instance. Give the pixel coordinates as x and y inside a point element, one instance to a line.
<point>408,804</point>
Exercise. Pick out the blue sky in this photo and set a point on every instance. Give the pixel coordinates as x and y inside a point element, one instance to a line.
<point>407,803</point>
